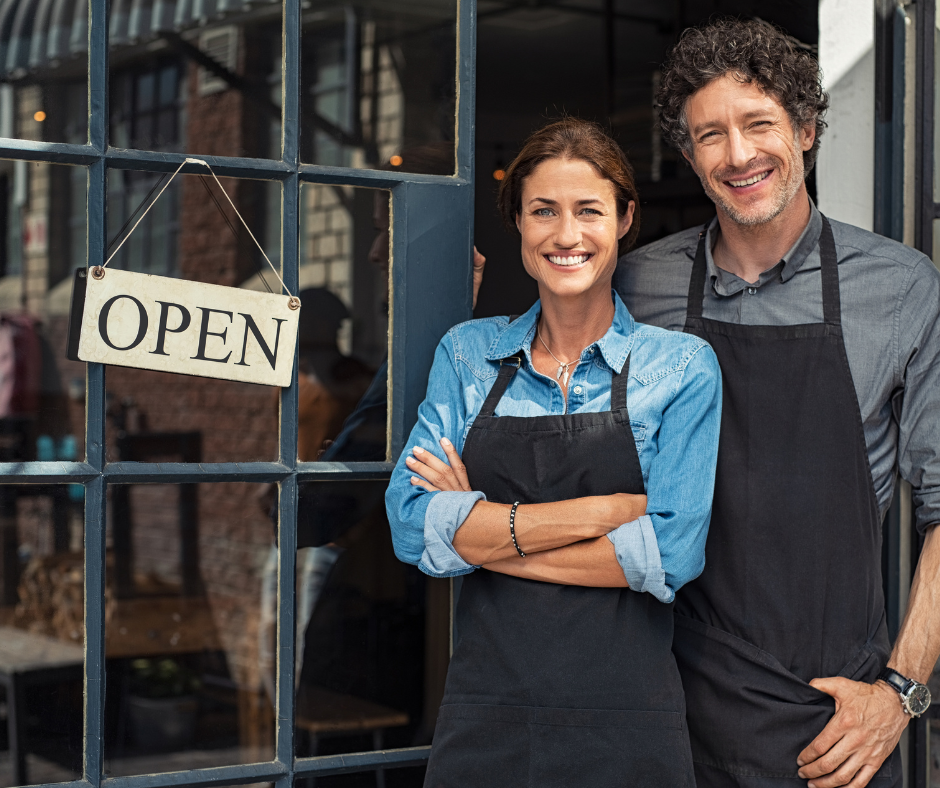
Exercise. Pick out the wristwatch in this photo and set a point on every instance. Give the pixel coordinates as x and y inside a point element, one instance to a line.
<point>915,697</point>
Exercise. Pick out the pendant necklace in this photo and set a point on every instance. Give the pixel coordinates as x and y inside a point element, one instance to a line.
<point>562,373</point>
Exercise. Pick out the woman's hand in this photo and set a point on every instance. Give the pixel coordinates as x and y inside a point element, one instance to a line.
<point>435,475</point>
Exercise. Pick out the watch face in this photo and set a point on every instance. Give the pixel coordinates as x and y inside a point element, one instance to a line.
<point>918,700</point>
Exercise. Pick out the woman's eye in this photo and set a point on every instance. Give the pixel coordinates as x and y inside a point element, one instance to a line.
<point>543,211</point>
<point>592,211</point>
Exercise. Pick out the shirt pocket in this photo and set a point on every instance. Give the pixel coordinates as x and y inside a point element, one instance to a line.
<point>639,434</point>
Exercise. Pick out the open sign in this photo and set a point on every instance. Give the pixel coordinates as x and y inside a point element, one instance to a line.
<point>172,325</point>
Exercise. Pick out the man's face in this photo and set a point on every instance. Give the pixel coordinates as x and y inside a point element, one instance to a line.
<point>745,150</point>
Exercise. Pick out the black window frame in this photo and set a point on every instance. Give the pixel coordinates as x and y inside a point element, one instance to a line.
<point>432,221</point>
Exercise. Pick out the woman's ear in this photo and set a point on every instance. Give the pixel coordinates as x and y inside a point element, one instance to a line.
<point>519,222</point>
<point>626,221</point>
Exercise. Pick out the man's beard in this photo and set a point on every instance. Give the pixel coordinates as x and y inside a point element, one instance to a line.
<point>784,192</point>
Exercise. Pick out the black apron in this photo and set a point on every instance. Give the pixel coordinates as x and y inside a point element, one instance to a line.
<point>554,686</point>
<point>792,584</point>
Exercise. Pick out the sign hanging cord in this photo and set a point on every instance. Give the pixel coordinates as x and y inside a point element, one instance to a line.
<point>237,213</point>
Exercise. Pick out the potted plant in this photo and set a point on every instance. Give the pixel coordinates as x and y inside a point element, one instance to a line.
<point>162,705</point>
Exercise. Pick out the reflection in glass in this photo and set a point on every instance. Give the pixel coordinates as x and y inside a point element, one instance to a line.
<point>43,71</point>
<point>41,632</point>
<point>196,77</point>
<point>372,633</point>
<point>343,332</point>
<point>192,233</point>
<point>183,601</point>
<point>378,85</point>
<point>42,241</point>
<point>936,127</point>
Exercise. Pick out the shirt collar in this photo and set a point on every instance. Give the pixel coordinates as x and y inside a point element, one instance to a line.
<point>725,283</point>
<point>614,346</point>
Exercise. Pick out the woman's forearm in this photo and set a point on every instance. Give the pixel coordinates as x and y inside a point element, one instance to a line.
<point>484,537</point>
<point>592,563</point>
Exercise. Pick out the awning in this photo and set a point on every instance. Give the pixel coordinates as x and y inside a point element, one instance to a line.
<point>40,33</point>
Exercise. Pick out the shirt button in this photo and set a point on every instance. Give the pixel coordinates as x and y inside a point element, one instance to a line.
<point>752,291</point>
<point>578,389</point>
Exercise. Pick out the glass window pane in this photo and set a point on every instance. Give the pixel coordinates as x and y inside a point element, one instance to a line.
<point>373,634</point>
<point>408,777</point>
<point>936,110</point>
<point>42,631</point>
<point>196,78</point>
<point>42,242</point>
<point>43,76</point>
<point>378,85</point>
<point>186,235</point>
<point>184,612</point>
<point>343,337</point>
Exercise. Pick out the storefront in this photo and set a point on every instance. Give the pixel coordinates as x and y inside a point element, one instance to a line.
<point>197,584</point>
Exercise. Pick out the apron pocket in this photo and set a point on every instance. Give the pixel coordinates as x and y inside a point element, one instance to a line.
<point>496,745</point>
<point>747,714</point>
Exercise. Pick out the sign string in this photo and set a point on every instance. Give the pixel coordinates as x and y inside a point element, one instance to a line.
<point>294,299</point>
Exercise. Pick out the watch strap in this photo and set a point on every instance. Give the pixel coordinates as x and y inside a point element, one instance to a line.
<point>895,680</point>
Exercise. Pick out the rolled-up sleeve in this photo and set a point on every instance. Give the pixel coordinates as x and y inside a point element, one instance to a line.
<point>664,550</point>
<point>423,523</point>
<point>917,408</point>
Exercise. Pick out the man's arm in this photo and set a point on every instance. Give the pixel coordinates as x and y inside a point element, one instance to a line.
<point>869,718</point>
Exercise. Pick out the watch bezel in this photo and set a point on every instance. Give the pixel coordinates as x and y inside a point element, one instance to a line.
<point>922,698</point>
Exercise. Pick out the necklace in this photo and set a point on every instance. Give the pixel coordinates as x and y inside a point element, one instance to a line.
<point>562,373</point>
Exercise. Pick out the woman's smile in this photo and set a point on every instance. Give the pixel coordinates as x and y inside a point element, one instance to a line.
<point>568,259</point>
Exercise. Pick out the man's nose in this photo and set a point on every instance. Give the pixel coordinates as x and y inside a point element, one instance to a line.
<point>740,149</point>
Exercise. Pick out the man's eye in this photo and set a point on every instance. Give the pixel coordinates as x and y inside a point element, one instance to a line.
<point>705,137</point>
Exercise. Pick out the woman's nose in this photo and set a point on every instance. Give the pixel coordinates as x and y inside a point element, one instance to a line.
<point>569,231</point>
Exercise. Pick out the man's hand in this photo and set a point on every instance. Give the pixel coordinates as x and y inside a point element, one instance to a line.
<point>861,734</point>
<point>479,261</point>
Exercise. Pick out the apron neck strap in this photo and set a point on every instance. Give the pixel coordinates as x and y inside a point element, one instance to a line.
<point>507,368</point>
<point>697,280</point>
<point>618,388</point>
<point>829,266</point>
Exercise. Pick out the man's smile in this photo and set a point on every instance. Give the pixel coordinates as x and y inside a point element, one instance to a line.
<point>741,183</point>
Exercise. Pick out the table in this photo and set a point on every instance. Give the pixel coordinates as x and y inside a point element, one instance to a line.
<point>322,712</point>
<point>27,658</point>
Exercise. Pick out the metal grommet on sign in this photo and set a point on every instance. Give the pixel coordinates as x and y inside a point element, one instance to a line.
<point>97,272</point>
<point>293,303</point>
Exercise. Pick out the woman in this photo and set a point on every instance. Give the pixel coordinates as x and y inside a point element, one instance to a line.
<point>580,505</point>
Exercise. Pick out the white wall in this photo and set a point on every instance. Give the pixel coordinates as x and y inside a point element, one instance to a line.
<point>845,171</point>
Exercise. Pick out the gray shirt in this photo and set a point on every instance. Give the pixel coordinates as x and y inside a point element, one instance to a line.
<point>890,298</point>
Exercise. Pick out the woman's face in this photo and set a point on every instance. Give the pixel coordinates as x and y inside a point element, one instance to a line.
<point>570,228</point>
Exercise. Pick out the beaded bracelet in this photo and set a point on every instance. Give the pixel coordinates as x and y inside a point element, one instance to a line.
<point>512,528</point>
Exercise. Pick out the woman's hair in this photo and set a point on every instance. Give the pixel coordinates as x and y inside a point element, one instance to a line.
<point>752,51</point>
<point>572,138</point>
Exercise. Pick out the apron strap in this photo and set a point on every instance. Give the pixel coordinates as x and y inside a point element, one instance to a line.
<point>829,266</point>
<point>697,281</point>
<point>618,389</point>
<point>507,368</point>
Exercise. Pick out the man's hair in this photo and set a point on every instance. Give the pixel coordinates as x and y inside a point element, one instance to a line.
<point>572,138</point>
<point>751,51</point>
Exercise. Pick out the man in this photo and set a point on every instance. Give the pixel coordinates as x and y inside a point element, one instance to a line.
<point>829,341</point>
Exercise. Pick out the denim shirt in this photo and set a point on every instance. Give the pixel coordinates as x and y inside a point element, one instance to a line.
<point>674,400</point>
